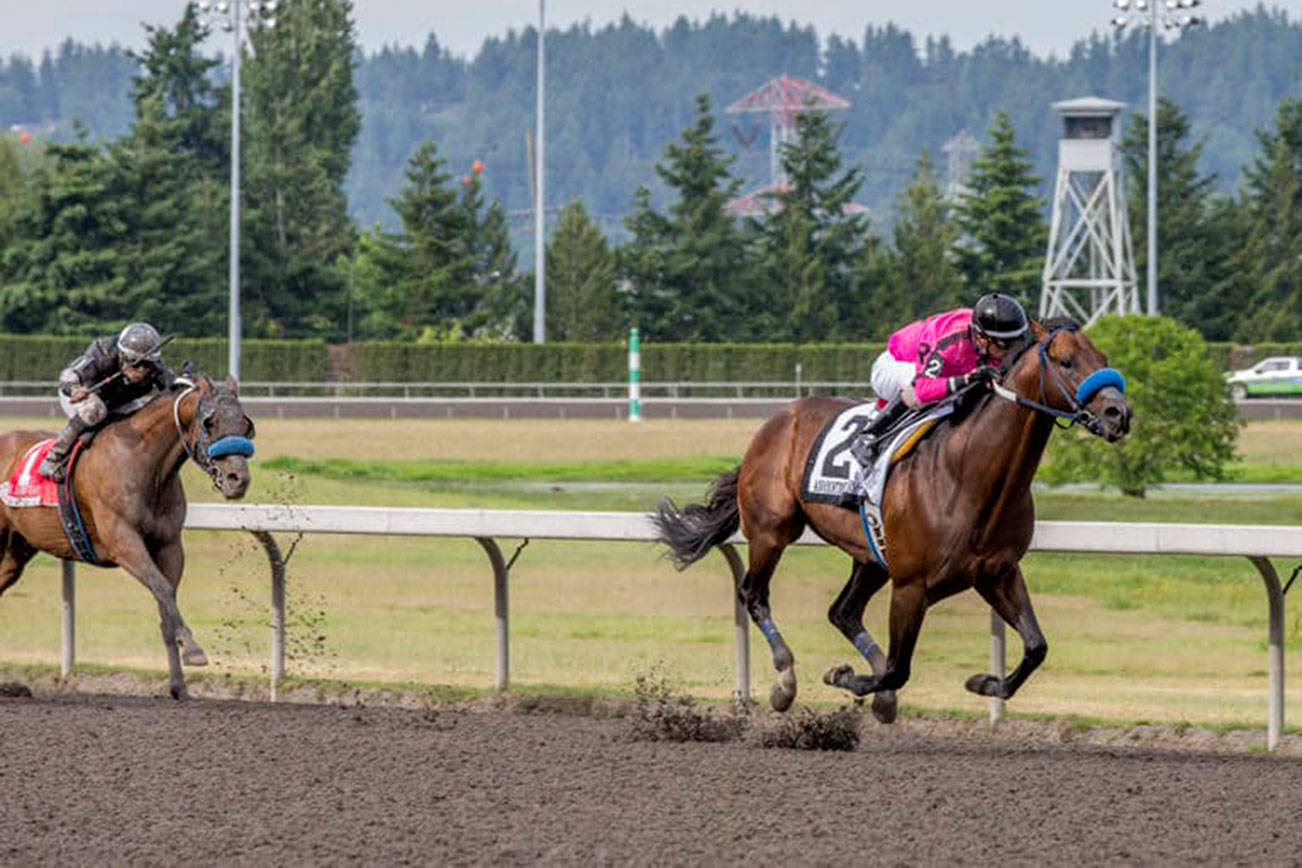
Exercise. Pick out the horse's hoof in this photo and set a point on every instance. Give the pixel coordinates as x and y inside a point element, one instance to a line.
<point>784,691</point>
<point>194,657</point>
<point>180,694</point>
<point>884,706</point>
<point>837,675</point>
<point>985,685</point>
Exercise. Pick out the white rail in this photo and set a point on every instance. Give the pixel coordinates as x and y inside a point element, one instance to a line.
<point>1258,543</point>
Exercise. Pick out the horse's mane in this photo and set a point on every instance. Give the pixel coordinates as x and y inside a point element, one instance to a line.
<point>1028,340</point>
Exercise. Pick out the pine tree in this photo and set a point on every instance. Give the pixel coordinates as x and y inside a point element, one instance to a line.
<point>686,267</point>
<point>810,245</point>
<point>581,299</point>
<point>927,280</point>
<point>301,118</point>
<point>1192,238</point>
<point>1269,265</point>
<point>1000,222</point>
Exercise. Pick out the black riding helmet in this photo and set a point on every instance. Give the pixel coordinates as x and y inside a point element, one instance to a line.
<point>1000,317</point>
<point>139,342</point>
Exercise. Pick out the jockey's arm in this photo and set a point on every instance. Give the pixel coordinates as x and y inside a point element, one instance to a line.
<point>89,368</point>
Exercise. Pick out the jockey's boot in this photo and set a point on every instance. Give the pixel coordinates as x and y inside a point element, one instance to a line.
<point>52,466</point>
<point>864,448</point>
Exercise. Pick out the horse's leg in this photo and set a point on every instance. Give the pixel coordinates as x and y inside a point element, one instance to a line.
<point>908,606</point>
<point>764,554</point>
<point>1008,596</point>
<point>17,552</point>
<point>171,560</point>
<point>846,614</point>
<point>128,550</point>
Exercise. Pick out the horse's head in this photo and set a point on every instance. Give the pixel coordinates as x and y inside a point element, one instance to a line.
<point>1061,369</point>
<point>220,437</point>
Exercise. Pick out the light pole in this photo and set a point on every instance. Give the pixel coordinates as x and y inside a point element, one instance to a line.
<point>1144,13</point>
<point>226,15</point>
<point>539,256</point>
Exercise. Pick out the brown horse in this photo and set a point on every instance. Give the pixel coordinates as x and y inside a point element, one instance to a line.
<point>131,499</point>
<point>957,512</point>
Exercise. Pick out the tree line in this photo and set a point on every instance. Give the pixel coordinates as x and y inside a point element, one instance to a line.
<point>93,233</point>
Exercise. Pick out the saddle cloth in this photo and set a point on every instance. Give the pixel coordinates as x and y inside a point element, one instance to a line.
<point>833,475</point>
<point>26,487</point>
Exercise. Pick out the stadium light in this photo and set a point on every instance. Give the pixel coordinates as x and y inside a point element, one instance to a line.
<point>226,15</point>
<point>1149,16</point>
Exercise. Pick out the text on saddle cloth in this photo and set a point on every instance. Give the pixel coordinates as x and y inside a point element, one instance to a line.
<point>834,475</point>
<point>25,486</point>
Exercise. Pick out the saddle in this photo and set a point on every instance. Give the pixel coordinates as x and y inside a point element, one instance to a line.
<point>27,488</point>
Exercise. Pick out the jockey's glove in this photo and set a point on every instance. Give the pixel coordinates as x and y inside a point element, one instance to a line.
<point>982,375</point>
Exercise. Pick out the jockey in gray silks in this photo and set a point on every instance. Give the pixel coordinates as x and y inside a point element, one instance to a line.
<point>128,370</point>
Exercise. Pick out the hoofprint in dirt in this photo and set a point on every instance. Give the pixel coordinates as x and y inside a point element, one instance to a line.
<point>89,778</point>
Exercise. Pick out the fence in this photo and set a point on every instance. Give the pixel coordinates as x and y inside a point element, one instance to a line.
<point>1258,543</point>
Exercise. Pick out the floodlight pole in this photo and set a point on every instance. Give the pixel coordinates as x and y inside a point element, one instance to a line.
<point>1152,159</point>
<point>233,358</point>
<point>539,255</point>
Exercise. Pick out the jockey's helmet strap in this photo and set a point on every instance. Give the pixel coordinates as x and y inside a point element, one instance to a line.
<point>1096,382</point>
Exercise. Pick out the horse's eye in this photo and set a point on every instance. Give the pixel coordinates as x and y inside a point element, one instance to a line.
<point>1066,363</point>
<point>208,423</point>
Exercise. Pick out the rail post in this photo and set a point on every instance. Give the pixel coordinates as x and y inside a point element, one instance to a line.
<point>740,625</point>
<point>998,657</point>
<point>1275,651</point>
<point>502,657</point>
<point>277,609</point>
<point>69,655</point>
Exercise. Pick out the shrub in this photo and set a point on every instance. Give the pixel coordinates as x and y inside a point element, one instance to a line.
<point>1183,420</point>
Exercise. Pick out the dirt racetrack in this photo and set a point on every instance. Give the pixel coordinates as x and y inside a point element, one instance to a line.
<point>97,778</point>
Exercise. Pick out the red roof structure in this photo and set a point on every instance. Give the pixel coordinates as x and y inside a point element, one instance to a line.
<point>786,96</point>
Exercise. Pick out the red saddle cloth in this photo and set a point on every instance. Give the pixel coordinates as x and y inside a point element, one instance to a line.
<point>26,487</point>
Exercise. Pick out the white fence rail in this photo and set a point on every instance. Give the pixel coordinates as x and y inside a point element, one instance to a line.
<point>1258,543</point>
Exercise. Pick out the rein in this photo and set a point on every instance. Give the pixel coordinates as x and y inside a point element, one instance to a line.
<point>1096,382</point>
<point>203,452</point>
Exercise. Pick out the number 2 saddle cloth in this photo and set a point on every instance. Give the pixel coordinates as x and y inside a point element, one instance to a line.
<point>833,475</point>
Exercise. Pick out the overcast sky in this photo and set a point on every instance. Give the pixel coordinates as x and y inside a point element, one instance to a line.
<point>30,26</point>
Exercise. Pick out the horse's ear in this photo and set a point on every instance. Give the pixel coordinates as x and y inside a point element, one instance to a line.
<point>1038,329</point>
<point>203,384</point>
<point>232,384</point>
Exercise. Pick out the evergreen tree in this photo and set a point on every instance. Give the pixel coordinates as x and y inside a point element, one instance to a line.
<point>1193,238</point>
<point>581,300</point>
<point>450,274</point>
<point>1000,223</point>
<point>692,287</point>
<point>1268,274</point>
<point>926,278</point>
<point>301,120</point>
<point>810,244</point>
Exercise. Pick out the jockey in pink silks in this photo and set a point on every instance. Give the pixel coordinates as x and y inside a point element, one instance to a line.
<point>931,359</point>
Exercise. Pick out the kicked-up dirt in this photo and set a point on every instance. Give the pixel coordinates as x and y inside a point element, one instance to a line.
<point>99,778</point>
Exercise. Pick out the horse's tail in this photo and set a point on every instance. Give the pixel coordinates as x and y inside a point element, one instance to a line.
<point>692,531</point>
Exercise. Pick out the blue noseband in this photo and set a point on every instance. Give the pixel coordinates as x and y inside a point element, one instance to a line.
<point>1097,382</point>
<point>232,445</point>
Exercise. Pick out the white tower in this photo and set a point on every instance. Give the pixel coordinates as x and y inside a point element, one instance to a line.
<point>961,151</point>
<point>1089,269</point>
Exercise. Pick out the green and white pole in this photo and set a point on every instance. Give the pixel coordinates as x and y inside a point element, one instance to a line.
<point>634,376</point>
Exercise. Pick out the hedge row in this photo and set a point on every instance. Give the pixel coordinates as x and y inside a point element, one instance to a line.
<point>569,363</point>
<point>41,358</point>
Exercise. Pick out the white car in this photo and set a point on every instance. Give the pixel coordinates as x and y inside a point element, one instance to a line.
<point>1278,375</point>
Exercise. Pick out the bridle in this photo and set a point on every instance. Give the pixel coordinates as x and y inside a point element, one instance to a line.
<point>1096,382</point>
<point>203,452</point>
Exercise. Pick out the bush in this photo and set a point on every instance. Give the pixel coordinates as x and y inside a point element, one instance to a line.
<point>1183,420</point>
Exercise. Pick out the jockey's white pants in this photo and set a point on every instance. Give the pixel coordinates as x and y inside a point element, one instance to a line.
<point>91,409</point>
<point>890,377</point>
